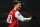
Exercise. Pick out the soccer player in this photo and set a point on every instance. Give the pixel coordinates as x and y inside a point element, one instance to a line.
<point>14,16</point>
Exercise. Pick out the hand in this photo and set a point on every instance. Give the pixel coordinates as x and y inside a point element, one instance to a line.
<point>34,17</point>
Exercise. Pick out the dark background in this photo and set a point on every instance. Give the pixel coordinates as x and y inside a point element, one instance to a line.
<point>29,8</point>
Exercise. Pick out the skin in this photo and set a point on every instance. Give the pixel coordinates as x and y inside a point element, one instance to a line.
<point>17,7</point>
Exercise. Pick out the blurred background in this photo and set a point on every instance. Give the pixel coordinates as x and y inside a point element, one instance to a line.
<point>29,8</point>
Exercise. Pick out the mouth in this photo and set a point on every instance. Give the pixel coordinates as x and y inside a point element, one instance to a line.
<point>19,7</point>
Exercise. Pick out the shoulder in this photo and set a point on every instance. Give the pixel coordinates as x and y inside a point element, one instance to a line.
<point>17,13</point>
<point>11,12</point>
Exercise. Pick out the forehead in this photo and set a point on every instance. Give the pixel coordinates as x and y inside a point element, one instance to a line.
<point>18,3</point>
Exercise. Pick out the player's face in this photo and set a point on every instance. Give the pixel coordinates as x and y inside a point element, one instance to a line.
<point>18,6</point>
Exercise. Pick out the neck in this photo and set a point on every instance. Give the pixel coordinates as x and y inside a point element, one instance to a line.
<point>14,8</point>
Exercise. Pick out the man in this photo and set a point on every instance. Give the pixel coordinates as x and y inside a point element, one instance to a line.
<point>14,16</point>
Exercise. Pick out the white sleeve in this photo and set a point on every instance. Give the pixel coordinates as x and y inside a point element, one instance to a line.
<point>20,17</point>
<point>8,19</point>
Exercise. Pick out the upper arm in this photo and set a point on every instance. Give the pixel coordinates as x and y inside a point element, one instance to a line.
<point>19,16</point>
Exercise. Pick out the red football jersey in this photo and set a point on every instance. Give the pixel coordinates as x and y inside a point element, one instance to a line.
<point>13,19</point>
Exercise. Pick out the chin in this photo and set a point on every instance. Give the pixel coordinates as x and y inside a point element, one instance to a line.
<point>18,8</point>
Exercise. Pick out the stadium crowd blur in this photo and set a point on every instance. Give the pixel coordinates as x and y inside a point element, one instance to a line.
<point>29,8</point>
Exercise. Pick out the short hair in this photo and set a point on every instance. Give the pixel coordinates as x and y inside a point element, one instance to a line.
<point>16,2</point>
